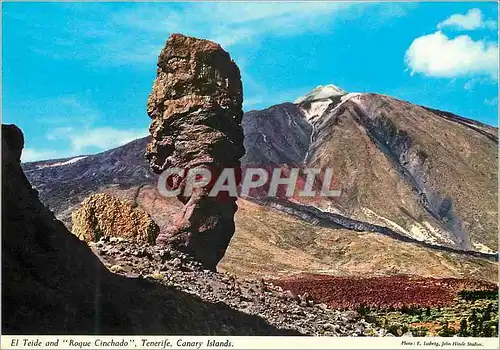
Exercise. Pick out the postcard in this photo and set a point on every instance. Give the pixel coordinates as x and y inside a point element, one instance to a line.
<point>249,175</point>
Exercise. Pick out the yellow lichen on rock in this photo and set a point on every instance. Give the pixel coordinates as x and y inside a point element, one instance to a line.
<point>116,268</point>
<point>104,215</point>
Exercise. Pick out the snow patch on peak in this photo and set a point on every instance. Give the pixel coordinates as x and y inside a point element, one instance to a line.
<point>316,110</point>
<point>71,161</point>
<point>352,95</point>
<point>322,92</point>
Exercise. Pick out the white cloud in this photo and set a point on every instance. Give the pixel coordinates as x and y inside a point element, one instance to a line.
<point>491,101</point>
<point>439,56</point>
<point>471,84</point>
<point>274,12</point>
<point>104,138</point>
<point>231,23</point>
<point>101,138</point>
<point>136,34</point>
<point>82,142</point>
<point>472,20</point>
<point>253,101</point>
<point>68,125</point>
<point>60,110</point>
<point>227,23</point>
<point>31,154</point>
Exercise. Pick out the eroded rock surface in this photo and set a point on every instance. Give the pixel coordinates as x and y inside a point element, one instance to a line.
<point>196,111</point>
<point>104,215</point>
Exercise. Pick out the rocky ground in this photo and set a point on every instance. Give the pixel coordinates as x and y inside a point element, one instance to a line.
<point>287,307</point>
<point>282,309</point>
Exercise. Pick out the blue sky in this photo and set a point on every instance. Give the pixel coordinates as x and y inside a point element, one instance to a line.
<point>76,76</point>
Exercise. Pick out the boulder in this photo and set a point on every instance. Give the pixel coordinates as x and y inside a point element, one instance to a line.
<point>102,215</point>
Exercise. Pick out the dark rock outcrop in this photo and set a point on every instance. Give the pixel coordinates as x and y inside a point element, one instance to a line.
<point>196,112</point>
<point>52,283</point>
<point>277,135</point>
<point>48,275</point>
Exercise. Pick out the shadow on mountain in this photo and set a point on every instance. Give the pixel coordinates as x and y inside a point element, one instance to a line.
<point>53,284</point>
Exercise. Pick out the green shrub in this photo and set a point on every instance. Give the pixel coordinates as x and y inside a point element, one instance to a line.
<point>419,332</point>
<point>445,331</point>
<point>394,329</point>
<point>489,329</point>
<point>473,295</point>
<point>363,310</point>
<point>463,328</point>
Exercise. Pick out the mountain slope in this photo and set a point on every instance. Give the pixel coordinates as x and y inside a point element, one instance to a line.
<point>420,175</point>
<point>267,237</point>
<point>276,135</point>
<point>413,170</point>
<point>64,183</point>
<point>268,242</point>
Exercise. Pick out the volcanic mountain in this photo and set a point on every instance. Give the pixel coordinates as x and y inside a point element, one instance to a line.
<point>418,189</point>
